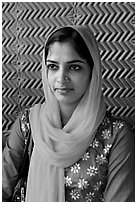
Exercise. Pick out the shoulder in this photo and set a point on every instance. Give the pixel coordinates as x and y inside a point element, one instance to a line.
<point>22,122</point>
<point>20,131</point>
<point>120,135</point>
<point>24,117</point>
<point>121,127</point>
<point>115,131</point>
<point>116,123</point>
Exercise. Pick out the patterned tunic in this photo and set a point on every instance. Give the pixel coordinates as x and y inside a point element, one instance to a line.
<point>104,173</point>
<point>86,180</point>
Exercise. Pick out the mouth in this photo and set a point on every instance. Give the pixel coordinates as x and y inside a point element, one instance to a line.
<point>63,90</point>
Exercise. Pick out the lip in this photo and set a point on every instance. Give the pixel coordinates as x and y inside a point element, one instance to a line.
<point>63,90</point>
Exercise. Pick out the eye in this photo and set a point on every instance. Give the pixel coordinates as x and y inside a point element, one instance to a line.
<point>52,66</point>
<point>75,67</point>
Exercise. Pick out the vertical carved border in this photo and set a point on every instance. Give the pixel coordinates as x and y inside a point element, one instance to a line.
<point>17,47</point>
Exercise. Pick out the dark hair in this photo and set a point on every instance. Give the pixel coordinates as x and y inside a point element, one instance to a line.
<point>68,34</point>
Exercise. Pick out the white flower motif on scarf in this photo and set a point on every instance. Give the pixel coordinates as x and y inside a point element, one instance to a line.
<point>74,195</point>
<point>89,197</point>
<point>118,124</point>
<point>92,171</point>
<point>101,159</point>
<point>97,186</point>
<point>68,181</point>
<point>95,143</point>
<point>82,184</point>
<point>107,148</point>
<point>75,168</point>
<point>85,156</point>
<point>106,134</point>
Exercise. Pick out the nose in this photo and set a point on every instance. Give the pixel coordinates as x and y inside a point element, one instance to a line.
<point>62,76</point>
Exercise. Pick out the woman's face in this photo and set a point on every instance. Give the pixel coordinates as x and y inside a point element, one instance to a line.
<point>68,74</point>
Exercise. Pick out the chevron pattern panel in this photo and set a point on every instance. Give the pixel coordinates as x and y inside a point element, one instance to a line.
<point>25,27</point>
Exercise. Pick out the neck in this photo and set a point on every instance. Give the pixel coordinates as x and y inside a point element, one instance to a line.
<point>66,111</point>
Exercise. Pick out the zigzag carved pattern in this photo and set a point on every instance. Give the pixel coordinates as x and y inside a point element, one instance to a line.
<point>25,27</point>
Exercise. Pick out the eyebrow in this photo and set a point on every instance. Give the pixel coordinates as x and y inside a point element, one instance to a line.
<point>69,62</point>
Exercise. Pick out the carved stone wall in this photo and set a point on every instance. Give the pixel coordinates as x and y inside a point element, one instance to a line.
<point>25,27</point>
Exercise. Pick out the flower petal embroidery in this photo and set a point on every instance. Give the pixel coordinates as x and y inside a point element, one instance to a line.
<point>74,195</point>
<point>92,171</point>
<point>23,127</point>
<point>82,183</point>
<point>118,124</point>
<point>106,121</point>
<point>107,148</point>
<point>89,196</point>
<point>85,156</point>
<point>75,168</point>
<point>97,186</point>
<point>106,134</point>
<point>101,159</point>
<point>24,123</point>
<point>68,181</point>
<point>95,143</point>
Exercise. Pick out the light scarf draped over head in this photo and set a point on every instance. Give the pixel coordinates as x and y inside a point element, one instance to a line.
<point>56,148</point>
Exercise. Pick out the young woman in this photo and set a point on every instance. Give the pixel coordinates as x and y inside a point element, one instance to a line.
<point>81,153</point>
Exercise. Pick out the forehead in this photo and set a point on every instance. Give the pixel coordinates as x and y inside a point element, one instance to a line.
<point>62,50</point>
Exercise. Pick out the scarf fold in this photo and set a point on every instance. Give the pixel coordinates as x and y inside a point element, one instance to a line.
<point>56,148</point>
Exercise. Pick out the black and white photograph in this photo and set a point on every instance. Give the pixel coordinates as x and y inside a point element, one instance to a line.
<point>68,101</point>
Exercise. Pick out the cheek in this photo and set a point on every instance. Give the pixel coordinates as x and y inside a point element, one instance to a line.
<point>81,84</point>
<point>88,77</point>
<point>84,82</point>
<point>50,80</point>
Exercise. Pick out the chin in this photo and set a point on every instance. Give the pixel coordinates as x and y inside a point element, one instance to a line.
<point>68,102</point>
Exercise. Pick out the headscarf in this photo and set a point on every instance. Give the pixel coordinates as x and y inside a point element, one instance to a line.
<point>56,148</point>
